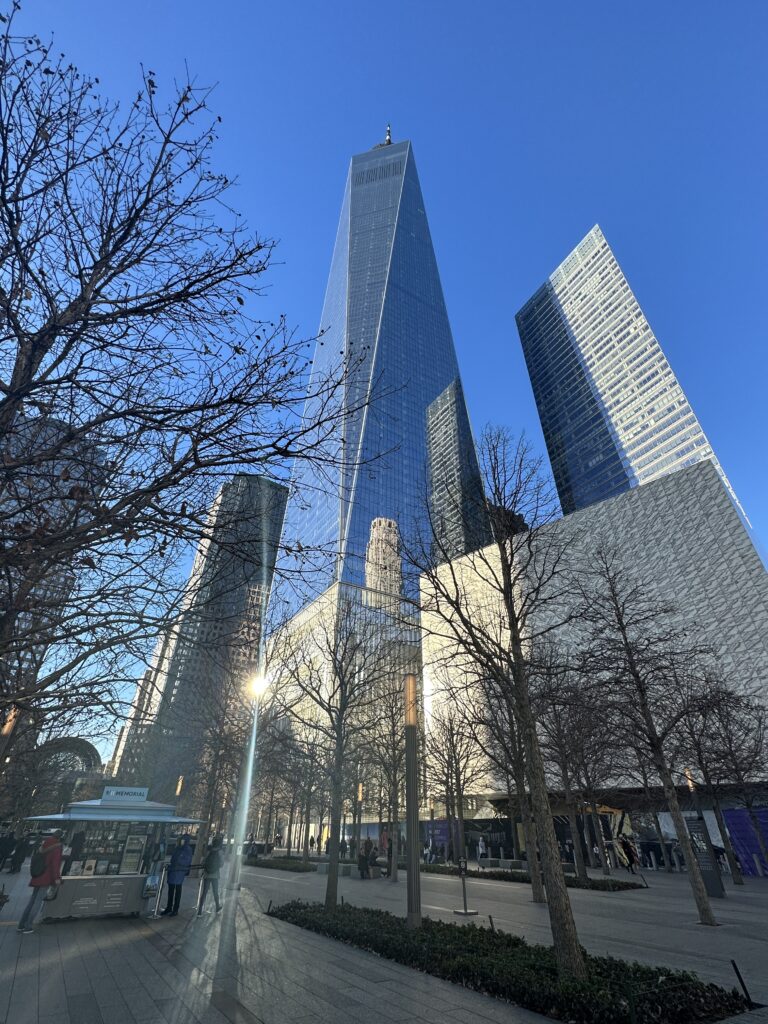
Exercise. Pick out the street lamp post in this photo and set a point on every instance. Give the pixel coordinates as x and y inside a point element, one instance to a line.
<point>359,817</point>
<point>412,801</point>
<point>258,686</point>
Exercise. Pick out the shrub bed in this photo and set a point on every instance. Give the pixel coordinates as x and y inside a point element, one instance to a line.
<point>505,966</point>
<point>503,875</point>
<point>280,863</point>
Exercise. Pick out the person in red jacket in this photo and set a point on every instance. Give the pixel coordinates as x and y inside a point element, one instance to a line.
<point>51,875</point>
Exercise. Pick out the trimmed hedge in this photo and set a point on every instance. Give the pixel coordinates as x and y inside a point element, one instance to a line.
<point>280,863</point>
<point>505,966</point>
<point>503,875</point>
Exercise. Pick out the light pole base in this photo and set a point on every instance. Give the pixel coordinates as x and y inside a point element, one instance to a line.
<point>467,913</point>
<point>413,919</point>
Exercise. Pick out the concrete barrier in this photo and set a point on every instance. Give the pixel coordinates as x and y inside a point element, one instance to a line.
<point>344,869</point>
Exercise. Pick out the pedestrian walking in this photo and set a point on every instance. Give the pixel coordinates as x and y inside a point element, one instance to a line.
<point>178,869</point>
<point>352,848</point>
<point>629,852</point>
<point>311,844</point>
<point>343,849</point>
<point>482,850</point>
<point>211,869</point>
<point>45,871</point>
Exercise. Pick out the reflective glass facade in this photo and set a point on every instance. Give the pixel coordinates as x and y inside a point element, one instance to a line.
<point>385,321</point>
<point>612,411</point>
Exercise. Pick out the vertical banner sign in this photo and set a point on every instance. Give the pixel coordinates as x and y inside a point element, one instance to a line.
<point>705,855</point>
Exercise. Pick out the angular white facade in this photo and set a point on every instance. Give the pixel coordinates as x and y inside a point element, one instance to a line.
<point>680,536</point>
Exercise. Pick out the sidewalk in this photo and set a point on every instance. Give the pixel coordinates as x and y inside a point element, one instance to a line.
<point>237,967</point>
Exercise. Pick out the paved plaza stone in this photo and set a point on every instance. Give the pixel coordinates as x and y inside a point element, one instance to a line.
<point>242,967</point>
<point>237,967</point>
<point>658,925</point>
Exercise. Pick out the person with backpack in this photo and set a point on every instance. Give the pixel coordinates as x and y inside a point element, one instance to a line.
<point>45,869</point>
<point>178,869</point>
<point>211,869</point>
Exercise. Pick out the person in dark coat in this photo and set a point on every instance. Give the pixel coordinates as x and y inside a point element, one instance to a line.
<point>76,850</point>
<point>24,846</point>
<point>178,869</point>
<point>51,875</point>
<point>211,869</point>
<point>362,864</point>
<point>629,852</point>
<point>7,843</point>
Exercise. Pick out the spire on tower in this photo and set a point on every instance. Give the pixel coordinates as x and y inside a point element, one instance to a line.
<point>388,136</point>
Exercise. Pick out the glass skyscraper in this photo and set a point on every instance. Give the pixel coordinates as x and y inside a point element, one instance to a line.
<point>460,520</point>
<point>612,411</point>
<point>384,323</point>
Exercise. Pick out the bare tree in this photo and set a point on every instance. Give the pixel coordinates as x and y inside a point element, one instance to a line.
<point>574,743</point>
<point>492,607</point>
<point>703,747</point>
<point>135,371</point>
<point>332,662</point>
<point>739,752</point>
<point>454,764</point>
<point>639,655</point>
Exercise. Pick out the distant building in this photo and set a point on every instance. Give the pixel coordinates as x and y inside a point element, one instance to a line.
<point>612,411</point>
<point>460,521</point>
<point>383,563</point>
<point>49,489</point>
<point>205,659</point>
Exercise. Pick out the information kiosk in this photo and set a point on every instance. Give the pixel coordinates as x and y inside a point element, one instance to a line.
<point>114,849</point>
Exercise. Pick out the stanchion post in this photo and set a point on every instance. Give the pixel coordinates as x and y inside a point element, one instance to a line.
<point>463,876</point>
<point>156,911</point>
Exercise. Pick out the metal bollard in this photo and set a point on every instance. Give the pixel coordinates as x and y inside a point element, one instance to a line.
<point>156,912</point>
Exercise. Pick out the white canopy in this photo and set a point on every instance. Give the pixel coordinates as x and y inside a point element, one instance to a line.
<point>119,805</point>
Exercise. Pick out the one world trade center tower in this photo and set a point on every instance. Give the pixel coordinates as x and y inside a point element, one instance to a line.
<point>385,323</point>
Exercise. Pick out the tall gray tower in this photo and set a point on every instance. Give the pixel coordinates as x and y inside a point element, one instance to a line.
<point>204,661</point>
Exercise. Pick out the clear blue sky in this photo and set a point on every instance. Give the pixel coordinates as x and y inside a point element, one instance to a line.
<point>530,123</point>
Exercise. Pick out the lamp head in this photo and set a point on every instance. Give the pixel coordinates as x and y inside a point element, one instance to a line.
<point>258,685</point>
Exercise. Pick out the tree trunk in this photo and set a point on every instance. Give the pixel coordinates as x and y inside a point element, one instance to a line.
<point>512,823</point>
<point>337,802</point>
<point>307,825</point>
<point>568,956</point>
<point>665,857</point>
<point>598,827</point>
<point>538,894</point>
<point>588,840</point>
<point>730,855</point>
<point>289,831</point>
<point>578,852</point>
<point>462,843</point>
<point>694,873</point>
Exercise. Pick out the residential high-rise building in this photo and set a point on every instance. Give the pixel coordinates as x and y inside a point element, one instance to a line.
<point>385,326</point>
<point>460,522</point>
<point>612,411</point>
<point>201,665</point>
